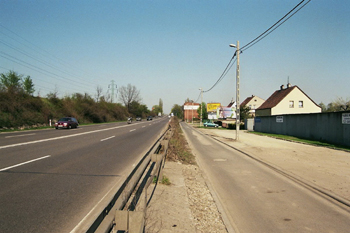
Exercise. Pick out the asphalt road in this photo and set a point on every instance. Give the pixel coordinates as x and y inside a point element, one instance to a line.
<point>51,179</point>
<point>255,198</point>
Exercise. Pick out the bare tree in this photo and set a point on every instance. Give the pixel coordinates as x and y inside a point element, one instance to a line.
<point>98,93</point>
<point>129,94</point>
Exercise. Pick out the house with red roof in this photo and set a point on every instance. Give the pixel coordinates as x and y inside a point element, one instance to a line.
<point>253,102</point>
<point>289,100</point>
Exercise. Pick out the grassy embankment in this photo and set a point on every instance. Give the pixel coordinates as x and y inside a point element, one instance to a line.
<point>178,146</point>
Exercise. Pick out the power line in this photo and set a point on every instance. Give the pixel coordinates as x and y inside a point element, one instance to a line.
<point>274,27</point>
<point>228,67</point>
<point>37,69</point>
<point>259,38</point>
<point>39,60</point>
<point>41,51</point>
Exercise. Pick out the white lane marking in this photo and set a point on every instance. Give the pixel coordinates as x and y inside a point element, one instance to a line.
<point>107,138</point>
<point>22,135</point>
<point>77,227</point>
<point>132,130</point>
<point>220,160</point>
<point>57,138</point>
<point>20,164</point>
<point>143,126</point>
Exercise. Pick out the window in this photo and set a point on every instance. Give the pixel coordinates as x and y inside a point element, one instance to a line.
<point>291,104</point>
<point>301,104</point>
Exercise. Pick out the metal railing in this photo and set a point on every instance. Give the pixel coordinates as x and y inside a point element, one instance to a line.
<point>126,211</point>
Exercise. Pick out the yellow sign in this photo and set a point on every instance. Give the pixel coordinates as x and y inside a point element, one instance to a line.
<point>212,107</point>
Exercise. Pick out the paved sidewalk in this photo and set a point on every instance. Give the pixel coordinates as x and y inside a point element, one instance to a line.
<point>328,169</point>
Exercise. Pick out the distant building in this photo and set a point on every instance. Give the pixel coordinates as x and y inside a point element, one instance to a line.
<point>190,111</point>
<point>289,100</point>
<point>253,102</point>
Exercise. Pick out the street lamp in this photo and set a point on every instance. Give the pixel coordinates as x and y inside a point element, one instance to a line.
<point>237,90</point>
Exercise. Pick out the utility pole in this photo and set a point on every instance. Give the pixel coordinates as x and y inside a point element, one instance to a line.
<point>237,90</point>
<point>237,95</point>
<point>112,87</point>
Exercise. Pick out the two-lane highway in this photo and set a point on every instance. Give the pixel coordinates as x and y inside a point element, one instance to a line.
<point>52,179</point>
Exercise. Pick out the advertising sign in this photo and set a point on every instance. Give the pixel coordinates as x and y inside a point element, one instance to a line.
<point>212,107</point>
<point>346,118</point>
<point>191,107</point>
<point>225,112</point>
<point>279,119</point>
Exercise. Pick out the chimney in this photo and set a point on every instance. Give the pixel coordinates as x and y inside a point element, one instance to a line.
<point>289,85</point>
<point>282,87</point>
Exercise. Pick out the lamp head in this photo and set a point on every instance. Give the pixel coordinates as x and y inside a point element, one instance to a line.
<point>232,45</point>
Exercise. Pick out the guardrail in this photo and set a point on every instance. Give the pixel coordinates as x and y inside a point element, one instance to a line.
<point>126,211</point>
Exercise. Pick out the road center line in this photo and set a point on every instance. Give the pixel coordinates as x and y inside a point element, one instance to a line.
<point>132,130</point>
<point>22,135</point>
<point>20,164</point>
<point>56,138</point>
<point>107,138</point>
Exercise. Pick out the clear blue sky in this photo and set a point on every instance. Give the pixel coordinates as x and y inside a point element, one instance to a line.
<point>169,49</point>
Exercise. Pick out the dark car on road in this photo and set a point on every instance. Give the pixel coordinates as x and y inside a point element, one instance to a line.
<point>149,118</point>
<point>66,122</point>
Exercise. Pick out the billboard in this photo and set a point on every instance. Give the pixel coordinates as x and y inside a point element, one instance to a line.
<point>226,112</point>
<point>212,107</point>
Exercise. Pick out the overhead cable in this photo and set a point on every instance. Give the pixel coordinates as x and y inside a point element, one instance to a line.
<point>274,27</point>
<point>228,67</point>
<point>259,38</point>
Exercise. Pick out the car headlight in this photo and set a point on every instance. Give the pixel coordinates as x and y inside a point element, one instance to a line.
<point>65,124</point>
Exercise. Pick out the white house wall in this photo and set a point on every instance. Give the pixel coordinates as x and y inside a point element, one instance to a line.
<point>296,95</point>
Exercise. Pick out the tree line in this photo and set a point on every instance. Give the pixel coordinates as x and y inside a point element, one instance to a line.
<point>19,107</point>
<point>337,105</point>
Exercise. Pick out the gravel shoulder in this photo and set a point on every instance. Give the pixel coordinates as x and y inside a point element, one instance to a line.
<point>188,206</point>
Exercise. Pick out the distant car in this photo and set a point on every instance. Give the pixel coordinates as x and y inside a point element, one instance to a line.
<point>210,124</point>
<point>138,118</point>
<point>66,122</point>
<point>149,118</point>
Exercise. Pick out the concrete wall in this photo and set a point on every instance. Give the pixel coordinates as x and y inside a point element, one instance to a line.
<point>331,127</point>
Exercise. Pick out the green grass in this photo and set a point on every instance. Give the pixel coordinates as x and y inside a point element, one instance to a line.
<point>301,140</point>
<point>165,180</point>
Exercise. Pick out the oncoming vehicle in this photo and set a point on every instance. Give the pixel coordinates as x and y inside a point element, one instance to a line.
<point>149,118</point>
<point>138,118</point>
<point>66,122</point>
<point>210,124</point>
<point>129,120</point>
